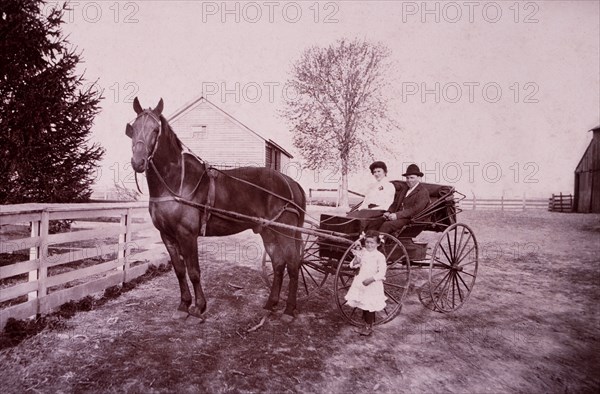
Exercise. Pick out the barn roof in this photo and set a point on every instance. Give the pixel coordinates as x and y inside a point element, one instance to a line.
<point>590,159</point>
<point>187,107</point>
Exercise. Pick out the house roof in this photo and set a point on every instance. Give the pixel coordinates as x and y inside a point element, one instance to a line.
<point>188,107</point>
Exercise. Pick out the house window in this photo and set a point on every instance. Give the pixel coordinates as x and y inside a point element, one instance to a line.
<point>268,151</point>
<point>199,132</point>
<point>272,158</point>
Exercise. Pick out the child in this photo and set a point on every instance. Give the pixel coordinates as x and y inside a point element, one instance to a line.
<point>366,291</point>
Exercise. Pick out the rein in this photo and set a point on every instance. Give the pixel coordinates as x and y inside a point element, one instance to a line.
<point>267,190</point>
<point>208,208</point>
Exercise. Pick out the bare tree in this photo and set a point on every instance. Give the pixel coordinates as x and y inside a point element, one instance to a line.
<point>339,107</point>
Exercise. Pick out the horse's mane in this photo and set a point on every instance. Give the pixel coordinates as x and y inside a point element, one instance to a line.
<point>171,132</point>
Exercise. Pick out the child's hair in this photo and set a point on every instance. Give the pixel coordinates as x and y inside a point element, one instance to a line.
<point>373,234</point>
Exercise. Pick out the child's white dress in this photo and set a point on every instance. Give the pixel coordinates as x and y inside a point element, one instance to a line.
<point>372,297</point>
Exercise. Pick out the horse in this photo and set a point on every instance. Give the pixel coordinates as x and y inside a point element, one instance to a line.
<point>189,198</point>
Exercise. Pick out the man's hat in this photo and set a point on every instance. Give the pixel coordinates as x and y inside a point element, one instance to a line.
<point>413,169</point>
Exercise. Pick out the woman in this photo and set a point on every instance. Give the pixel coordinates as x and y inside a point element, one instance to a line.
<point>379,196</point>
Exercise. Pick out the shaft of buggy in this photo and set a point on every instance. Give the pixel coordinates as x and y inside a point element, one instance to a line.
<point>326,234</point>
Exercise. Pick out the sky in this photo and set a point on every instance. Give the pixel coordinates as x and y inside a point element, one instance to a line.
<point>495,98</point>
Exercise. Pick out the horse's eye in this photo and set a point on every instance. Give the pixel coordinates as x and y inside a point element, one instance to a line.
<point>153,137</point>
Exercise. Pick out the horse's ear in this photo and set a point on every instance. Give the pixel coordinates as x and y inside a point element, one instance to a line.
<point>136,106</point>
<point>129,131</point>
<point>159,108</point>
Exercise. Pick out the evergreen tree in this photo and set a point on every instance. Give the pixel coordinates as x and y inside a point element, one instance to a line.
<point>45,115</point>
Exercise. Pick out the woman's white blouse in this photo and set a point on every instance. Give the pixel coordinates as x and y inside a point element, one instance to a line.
<point>380,193</point>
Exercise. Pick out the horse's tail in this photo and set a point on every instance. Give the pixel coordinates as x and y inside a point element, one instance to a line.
<point>300,200</point>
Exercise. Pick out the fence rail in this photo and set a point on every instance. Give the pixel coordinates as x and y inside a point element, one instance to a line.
<point>561,203</point>
<point>558,202</point>
<point>504,204</point>
<point>43,281</point>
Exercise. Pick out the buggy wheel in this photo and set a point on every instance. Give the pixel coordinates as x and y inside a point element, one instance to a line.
<point>313,270</point>
<point>453,268</point>
<point>395,286</point>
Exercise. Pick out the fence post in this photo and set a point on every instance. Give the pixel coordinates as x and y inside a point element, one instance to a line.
<point>570,202</point>
<point>502,202</point>
<point>122,242</point>
<point>524,201</point>
<point>561,204</point>
<point>127,246</point>
<point>34,253</point>
<point>39,228</point>
<point>474,201</point>
<point>43,256</point>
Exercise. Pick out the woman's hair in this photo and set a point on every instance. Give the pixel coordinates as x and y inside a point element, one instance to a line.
<point>373,234</point>
<point>378,164</point>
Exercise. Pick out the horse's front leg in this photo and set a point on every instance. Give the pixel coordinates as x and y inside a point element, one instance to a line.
<point>189,250</point>
<point>180,271</point>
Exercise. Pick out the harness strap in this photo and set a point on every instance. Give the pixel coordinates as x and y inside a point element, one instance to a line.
<point>210,200</point>
<point>136,182</point>
<point>162,199</point>
<point>284,209</point>
<point>280,197</point>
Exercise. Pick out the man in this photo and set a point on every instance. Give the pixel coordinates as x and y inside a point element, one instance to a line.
<point>407,202</point>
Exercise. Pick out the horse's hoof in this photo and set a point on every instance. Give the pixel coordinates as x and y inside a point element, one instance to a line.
<point>287,318</point>
<point>180,315</point>
<point>196,312</point>
<point>191,319</point>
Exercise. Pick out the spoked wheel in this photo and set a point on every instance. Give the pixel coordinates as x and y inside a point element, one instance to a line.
<point>313,270</point>
<point>396,284</point>
<point>453,268</point>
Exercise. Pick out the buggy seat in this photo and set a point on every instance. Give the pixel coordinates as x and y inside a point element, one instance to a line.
<point>439,213</point>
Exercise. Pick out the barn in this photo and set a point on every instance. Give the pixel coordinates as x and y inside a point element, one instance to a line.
<point>222,140</point>
<point>587,177</point>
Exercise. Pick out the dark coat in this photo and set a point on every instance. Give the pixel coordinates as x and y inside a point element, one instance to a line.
<point>407,206</point>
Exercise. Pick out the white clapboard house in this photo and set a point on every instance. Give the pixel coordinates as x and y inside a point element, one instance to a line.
<point>223,141</point>
<point>215,136</point>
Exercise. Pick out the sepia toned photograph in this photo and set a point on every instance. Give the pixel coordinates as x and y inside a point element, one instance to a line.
<point>299,196</point>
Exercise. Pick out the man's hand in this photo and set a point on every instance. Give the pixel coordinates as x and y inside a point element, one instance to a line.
<point>389,216</point>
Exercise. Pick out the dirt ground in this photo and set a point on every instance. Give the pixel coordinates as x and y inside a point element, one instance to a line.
<point>531,325</point>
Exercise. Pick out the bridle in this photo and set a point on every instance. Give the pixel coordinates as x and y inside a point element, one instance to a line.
<point>142,142</point>
<point>150,162</point>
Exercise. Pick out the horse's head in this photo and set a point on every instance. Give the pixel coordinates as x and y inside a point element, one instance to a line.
<point>144,134</point>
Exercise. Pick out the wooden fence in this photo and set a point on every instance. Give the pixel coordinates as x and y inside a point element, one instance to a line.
<point>503,204</point>
<point>43,281</point>
<point>558,202</point>
<point>561,203</point>
<point>332,199</point>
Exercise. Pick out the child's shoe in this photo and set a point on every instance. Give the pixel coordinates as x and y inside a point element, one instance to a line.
<point>367,330</point>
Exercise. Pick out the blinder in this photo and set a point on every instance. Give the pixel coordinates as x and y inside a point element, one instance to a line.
<point>129,131</point>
